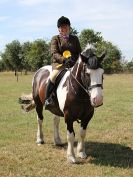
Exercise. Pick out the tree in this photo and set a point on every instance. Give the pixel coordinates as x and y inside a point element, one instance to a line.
<point>130,65</point>
<point>38,55</point>
<point>6,61</point>
<point>113,54</point>
<point>89,36</point>
<point>112,63</point>
<point>11,56</point>
<point>26,46</point>
<point>2,67</point>
<point>73,31</point>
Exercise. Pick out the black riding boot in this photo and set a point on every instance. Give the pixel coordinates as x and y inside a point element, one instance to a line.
<point>49,89</point>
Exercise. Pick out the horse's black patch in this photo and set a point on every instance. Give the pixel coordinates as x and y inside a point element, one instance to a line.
<point>93,63</point>
<point>90,58</point>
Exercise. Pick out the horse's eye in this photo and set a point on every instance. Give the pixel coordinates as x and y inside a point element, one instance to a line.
<point>88,74</point>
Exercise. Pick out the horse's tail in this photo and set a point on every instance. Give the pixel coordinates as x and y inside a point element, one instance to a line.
<point>27,102</point>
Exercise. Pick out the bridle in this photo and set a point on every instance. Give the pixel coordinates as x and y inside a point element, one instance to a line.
<point>91,86</point>
<point>86,88</point>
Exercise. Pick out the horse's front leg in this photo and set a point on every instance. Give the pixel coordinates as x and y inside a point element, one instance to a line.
<point>57,139</point>
<point>70,139</point>
<point>81,145</point>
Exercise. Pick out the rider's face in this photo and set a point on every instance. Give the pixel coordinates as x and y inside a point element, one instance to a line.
<point>64,30</point>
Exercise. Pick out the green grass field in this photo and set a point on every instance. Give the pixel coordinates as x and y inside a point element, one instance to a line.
<point>109,139</point>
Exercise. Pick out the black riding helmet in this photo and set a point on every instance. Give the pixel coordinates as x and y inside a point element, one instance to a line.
<point>63,21</point>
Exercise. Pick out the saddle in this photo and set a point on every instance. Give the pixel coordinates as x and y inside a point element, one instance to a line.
<point>59,77</point>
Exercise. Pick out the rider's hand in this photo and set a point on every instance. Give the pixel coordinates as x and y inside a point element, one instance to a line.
<point>68,62</point>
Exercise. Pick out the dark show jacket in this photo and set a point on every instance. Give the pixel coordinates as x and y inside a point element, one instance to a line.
<point>59,45</point>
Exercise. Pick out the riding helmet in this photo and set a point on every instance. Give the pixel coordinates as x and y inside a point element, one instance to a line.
<point>63,21</point>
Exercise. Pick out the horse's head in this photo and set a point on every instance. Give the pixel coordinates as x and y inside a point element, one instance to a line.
<point>92,76</point>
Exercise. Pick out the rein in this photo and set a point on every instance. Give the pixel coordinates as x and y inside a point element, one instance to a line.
<point>79,83</point>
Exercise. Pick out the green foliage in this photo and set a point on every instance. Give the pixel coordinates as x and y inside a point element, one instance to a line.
<point>38,55</point>
<point>24,52</point>
<point>2,67</point>
<point>89,36</point>
<point>113,54</point>
<point>11,55</point>
<point>33,55</point>
<point>130,65</point>
<point>73,31</point>
<point>112,62</point>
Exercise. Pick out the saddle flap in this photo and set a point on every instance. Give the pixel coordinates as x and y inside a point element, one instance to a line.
<point>59,77</point>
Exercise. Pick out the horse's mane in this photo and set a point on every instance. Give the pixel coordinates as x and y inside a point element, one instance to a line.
<point>88,50</point>
<point>89,46</point>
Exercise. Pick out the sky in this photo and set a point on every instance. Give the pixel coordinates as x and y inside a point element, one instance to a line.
<point>28,20</point>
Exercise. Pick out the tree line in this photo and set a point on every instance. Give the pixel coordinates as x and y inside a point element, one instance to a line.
<point>30,56</point>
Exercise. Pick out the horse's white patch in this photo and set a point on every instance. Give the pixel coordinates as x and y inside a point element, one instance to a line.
<point>70,148</point>
<point>96,76</point>
<point>40,139</point>
<point>47,67</point>
<point>79,61</point>
<point>62,91</point>
<point>81,146</point>
<point>96,93</point>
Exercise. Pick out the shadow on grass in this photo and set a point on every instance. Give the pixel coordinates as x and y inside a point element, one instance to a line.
<point>108,154</point>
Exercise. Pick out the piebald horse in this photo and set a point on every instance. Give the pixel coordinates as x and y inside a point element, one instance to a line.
<point>77,94</point>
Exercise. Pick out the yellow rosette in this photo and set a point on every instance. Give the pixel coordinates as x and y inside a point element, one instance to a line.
<point>66,55</point>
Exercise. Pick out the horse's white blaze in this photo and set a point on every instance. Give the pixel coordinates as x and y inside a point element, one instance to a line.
<point>96,93</point>
<point>62,92</point>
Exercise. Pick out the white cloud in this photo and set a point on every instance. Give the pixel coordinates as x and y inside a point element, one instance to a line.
<point>34,23</point>
<point>37,2</point>
<point>30,2</point>
<point>3,18</point>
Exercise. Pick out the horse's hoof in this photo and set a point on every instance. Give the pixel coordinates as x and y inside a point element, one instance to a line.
<point>40,142</point>
<point>72,160</point>
<point>82,155</point>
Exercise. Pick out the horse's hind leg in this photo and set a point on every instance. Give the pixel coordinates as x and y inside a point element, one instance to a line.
<point>57,139</point>
<point>39,110</point>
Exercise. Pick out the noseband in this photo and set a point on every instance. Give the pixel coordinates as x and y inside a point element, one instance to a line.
<point>94,86</point>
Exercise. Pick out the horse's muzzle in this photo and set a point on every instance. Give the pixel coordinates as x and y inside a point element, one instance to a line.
<point>97,101</point>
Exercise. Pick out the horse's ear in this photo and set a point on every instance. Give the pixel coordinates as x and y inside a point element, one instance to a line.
<point>83,58</point>
<point>102,56</point>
